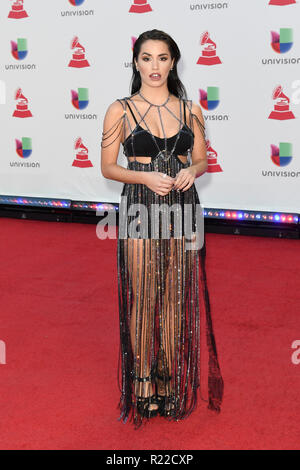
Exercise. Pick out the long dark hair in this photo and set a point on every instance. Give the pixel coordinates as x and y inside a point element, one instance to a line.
<point>175,85</point>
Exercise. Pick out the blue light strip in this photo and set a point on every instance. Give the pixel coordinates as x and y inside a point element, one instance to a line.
<point>227,214</point>
<point>35,201</point>
<point>238,215</point>
<point>95,206</point>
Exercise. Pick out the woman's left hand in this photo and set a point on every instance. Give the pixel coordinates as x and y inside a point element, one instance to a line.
<point>184,179</point>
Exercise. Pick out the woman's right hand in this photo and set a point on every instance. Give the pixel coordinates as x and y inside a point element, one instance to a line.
<point>158,183</point>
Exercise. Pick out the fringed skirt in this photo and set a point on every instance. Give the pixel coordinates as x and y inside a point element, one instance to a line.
<point>167,344</point>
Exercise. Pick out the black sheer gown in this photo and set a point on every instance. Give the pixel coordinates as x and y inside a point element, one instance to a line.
<point>167,345</point>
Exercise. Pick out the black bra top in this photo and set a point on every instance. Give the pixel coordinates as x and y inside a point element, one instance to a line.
<point>140,142</point>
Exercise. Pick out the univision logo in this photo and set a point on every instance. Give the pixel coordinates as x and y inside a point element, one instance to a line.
<point>209,100</point>
<point>281,43</point>
<point>80,98</point>
<point>208,6</point>
<point>19,49</point>
<point>281,156</point>
<point>24,147</point>
<point>24,151</point>
<point>77,12</point>
<point>129,64</point>
<point>133,41</point>
<point>76,2</point>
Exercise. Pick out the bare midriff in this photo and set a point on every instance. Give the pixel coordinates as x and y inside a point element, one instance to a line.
<point>140,159</point>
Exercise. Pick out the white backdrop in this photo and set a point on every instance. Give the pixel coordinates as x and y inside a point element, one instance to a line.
<point>241,175</point>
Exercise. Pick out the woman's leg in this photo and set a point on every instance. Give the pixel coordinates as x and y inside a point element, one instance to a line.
<point>171,318</point>
<point>175,318</point>
<point>142,272</point>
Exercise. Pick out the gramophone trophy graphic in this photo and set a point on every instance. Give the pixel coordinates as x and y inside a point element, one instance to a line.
<point>78,60</point>
<point>82,156</point>
<point>140,6</point>
<point>213,166</point>
<point>281,2</point>
<point>281,110</point>
<point>17,10</point>
<point>21,110</point>
<point>209,56</point>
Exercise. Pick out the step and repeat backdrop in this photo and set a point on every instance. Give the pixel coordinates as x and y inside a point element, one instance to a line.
<point>63,62</point>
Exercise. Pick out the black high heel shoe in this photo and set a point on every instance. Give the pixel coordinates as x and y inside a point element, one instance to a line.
<point>166,402</point>
<point>144,403</point>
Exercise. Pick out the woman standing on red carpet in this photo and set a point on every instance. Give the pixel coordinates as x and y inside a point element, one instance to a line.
<point>164,307</point>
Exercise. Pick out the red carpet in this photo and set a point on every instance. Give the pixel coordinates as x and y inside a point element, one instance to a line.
<point>59,321</point>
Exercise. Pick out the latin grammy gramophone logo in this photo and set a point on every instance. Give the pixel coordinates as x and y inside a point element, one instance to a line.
<point>17,11</point>
<point>209,55</point>
<point>212,160</point>
<point>281,2</point>
<point>24,147</point>
<point>76,3</point>
<point>80,98</point>
<point>82,155</point>
<point>21,110</point>
<point>282,42</point>
<point>78,59</point>
<point>19,49</point>
<point>282,155</point>
<point>140,6</point>
<point>209,99</point>
<point>281,109</point>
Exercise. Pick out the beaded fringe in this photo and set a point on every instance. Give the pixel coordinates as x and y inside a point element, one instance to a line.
<point>164,309</point>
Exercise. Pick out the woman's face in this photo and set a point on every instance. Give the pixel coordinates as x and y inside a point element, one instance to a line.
<point>154,62</point>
